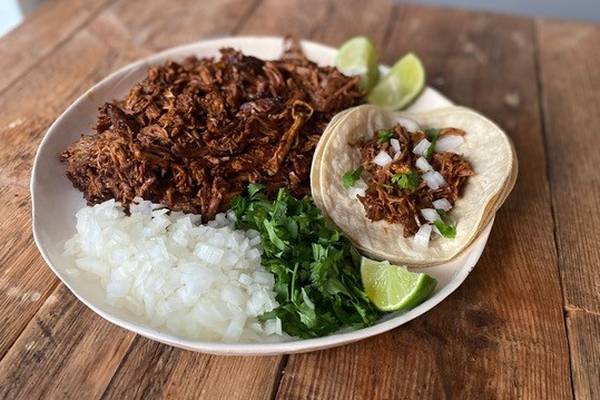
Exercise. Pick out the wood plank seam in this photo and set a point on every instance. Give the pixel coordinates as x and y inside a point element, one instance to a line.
<point>58,45</point>
<point>544,123</point>
<point>280,371</point>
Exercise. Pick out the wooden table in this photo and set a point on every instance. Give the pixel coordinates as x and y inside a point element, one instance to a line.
<point>526,322</point>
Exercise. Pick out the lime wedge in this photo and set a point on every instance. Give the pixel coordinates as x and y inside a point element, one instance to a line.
<point>393,288</point>
<point>358,57</point>
<point>401,85</point>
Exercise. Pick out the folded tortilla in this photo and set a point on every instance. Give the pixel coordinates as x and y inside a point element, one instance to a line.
<point>486,147</point>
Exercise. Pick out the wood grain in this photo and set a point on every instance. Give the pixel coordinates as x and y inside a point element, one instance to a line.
<point>45,30</point>
<point>25,280</point>
<point>65,352</point>
<point>501,335</point>
<point>161,371</point>
<point>570,78</point>
<point>585,353</point>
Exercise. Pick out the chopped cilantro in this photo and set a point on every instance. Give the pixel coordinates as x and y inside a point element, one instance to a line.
<point>350,177</point>
<point>432,135</point>
<point>443,214</point>
<point>432,132</point>
<point>447,230</point>
<point>444,225</point>
<point>317,282</point>
<point>409,180</point>
<point>384,135</point>
<point>254,188</point>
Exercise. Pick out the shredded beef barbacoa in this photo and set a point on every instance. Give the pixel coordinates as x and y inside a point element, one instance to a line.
<point>385,200</point>
<point>192,135</point>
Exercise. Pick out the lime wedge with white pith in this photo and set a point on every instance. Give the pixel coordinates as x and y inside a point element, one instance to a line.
<point>393,288</point>
<point>358,57</point>
<point>401,85</point>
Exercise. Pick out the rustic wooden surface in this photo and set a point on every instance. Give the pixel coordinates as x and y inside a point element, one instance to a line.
<point>526,322</point>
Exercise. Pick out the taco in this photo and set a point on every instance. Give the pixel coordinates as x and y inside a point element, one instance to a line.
<point>412,188</point>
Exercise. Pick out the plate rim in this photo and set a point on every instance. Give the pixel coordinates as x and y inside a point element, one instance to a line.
<point>260,348</point>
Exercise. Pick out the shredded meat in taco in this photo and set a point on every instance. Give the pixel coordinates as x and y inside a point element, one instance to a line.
<point>193,134</point>
<point>404,174</point>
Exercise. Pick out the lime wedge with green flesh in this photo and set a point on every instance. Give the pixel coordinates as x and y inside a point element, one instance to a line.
<point>392,288</point>
<point>401,85</point>
<point>358,56</point>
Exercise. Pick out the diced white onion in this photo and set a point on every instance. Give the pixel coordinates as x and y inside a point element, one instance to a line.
<point>273,327</point>
<point>358,189</point>
<point>208,253</point>
<point>448,142</point>
<point>421,147</point>
<point>409,124</point>
<point>382,159</point>
<point>354,192</point>
<point>423,164</point>
<point>203,282</point>
<point>421,238</point>
<point>395,145</point>
<point>434,179</point>
<point>442,204</point>
<point>430,214</point>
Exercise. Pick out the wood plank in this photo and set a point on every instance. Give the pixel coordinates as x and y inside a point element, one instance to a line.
<point>585,353</point>
<point>25,281</point>
<point>569,59</point>
<point>502,334</point>
<point>65,351</point>
<point>45,29</point>
<point>161,371</point>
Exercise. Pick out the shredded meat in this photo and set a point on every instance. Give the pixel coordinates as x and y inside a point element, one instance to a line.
<point>385,200</point>
<point>193,134</point>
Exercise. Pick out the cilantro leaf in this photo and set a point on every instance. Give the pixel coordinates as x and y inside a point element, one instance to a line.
<point>447,230</point>
<point>432,135</point>
<point>384,136</point>
<point>409,180</point>
<point>446,227</point>
<point>350,177</point>
<point>254,188</point>
<point>443,214</point>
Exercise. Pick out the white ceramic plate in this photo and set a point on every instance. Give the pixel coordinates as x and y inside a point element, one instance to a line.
<point>55,202</point>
